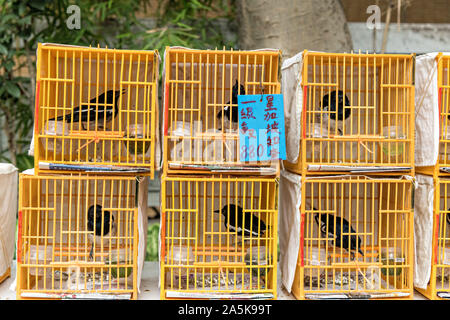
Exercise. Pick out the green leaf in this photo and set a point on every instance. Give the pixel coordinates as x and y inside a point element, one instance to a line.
<point>3,50</point>
<point>12,89</point>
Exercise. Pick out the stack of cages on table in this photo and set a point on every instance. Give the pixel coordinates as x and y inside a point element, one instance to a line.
<point>201,108</point>
<point>77,237</point>
<point>219,237</point>
<point>356,238</point>
<point>357,112</point>
<point>439,284</point>
<point>116,123</point>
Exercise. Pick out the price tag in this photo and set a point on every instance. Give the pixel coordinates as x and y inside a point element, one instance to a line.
<point>261,128</point>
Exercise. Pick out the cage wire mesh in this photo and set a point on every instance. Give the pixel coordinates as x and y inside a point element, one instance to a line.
<point>444,108</point>
<point>440,277</point>
<point>356,238</point>
<point>218,237</point>
<point>201,107</point>
<point>96,106</point>
<point>358,110</point>
<point>77,237</point>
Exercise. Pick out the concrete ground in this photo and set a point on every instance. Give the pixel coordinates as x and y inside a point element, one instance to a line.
<point>149,285</point>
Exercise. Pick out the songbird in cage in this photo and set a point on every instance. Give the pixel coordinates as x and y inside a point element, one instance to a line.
<point>231,112</point>
<point>341,231</point>
<point>335,115</point>
<point>245,224</point>
<point>95,113</point>
<point>97,217</point>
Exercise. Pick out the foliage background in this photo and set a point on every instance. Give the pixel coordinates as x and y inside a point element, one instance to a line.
<point>124,24</point>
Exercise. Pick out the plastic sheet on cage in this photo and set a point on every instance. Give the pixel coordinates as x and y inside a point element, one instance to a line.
<point>315,256</point>
<point>423,230</point>
<point>289,221</point>
<point>291,78</point>
<point>179,255</point>
<point>445,256</point>
<point>219,150</point>
<point>8,209</point>
<point>427,111</point>
<point>186,149</point>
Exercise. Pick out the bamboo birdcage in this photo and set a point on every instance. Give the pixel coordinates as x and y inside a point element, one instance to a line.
<point>198,91</point>
<point>62,251</point>
<point>439,284</point>
<point>335,264</point>
<point>120,86</point>
<point>202,256</point>
<point>444,110</point>
<point>372,126</point>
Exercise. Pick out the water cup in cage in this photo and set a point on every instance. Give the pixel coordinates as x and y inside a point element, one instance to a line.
<point>394,149</point>
<point>137,148</point>
<point>57,139</point>
<point>392,261</point>
<point>181,256</point>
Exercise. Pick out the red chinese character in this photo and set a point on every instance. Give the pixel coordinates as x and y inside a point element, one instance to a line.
<point>268,116</point>
<point>244,127</point>
<point>251,133</point>
<point>269,141</point>
<point>274,153</point>
<point>250,113</point>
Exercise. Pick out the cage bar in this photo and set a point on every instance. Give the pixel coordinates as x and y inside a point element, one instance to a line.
<point>77,237</point>
<point>439,285</point>
<point>204,252</point>
<point>201,111</point>
<point>357,112</point>
<point>356,238</point>
<point>95,107</point>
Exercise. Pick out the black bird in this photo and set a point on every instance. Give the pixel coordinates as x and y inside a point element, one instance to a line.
<point>342,229</point>
<point>232,113</point>
<point>97,213</point>
<point>90,110</point>
<point>235,222</point>
<point>329,104</point>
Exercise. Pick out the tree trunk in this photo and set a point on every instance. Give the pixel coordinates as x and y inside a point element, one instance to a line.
<point>293,25</point>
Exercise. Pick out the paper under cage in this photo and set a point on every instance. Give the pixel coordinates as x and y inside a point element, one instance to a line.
<point>202,256</point>
<point>332,262</point>
<point>358,111</point>
<point>201,111</point>
<point>61,249</point>
<point>444,108</point>
<point>119,87</point>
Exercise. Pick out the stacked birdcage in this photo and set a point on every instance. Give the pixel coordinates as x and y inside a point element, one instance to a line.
<point>350,153</point>
<point>432,216</point>
<point>219,215</point>
<point>94,136</point>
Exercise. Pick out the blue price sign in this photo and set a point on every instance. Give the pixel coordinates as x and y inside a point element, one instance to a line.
<point>261,127</point>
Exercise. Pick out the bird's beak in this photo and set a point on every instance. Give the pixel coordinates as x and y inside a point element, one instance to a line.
<point>216,211</point>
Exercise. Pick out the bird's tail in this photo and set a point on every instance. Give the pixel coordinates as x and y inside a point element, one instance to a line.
<point>360,251</point>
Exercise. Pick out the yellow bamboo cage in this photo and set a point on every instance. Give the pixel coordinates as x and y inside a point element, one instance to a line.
<point>77,237</point>
<point>357,111</point>
<point>204,253</point>
<point>95,107</point>
<point>200,106</point>
<point>442,167</point>
<point>356,238</point>
<point>439,284</point>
